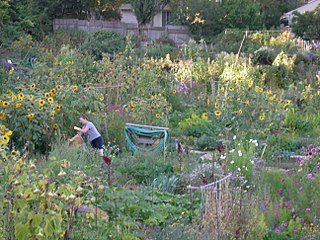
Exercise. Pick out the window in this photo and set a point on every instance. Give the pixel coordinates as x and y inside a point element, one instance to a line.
<point>166,18</point>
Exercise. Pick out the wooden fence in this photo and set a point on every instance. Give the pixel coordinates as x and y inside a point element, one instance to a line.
<point>179,34</point>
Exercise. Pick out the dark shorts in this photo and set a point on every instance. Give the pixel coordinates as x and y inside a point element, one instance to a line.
<point>97,143</point>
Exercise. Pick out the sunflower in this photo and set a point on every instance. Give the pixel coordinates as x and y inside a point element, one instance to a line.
<point>208,101</point>
<point>217,113</point>
<point>33,86</point>
<point>47,94</point>
<point>157,115</point>
<point>240,111</point>
<point>5,140</point>
<point>21,95</point>
<point>6,104</point>
<point>52,113</point>
<point>1,103</point>
<point>58,87</point>
<point>18,105</point>
<point>216,105</point>
<point>50,100</point>
<point>31,97</point>
<point>58,108</point>
<point>75,88</point>
<point>2,128</point>
<point>55,126</point>
<point>262,117</point>
<point>204,116</point>
<point>53,91</point>
<point>9,133</point>
<point>133,110</point>
<point>41,102</point>
<point>40,108</point>
<point>13,97</point>
<point>2,116</point>
<point>174,91</point>
<point>30,115</point>
<point>311,97</point>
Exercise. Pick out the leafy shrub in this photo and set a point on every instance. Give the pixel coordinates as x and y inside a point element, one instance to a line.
<point>102,41</point>
<point>9,33</point>
<point>73,38</point>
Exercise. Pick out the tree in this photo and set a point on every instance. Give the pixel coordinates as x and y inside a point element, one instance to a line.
<point>4,12</point>
<point>145,10</point>
<point>307,25</point>
<point>272,10</point>
<point>204,18</point>
<point>242,14</point>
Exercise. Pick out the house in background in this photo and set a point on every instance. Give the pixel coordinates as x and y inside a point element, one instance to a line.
<point>286,18</point>
<point>162,19</point>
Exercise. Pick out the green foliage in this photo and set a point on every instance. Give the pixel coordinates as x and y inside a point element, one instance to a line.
<point>295,122</point>
<point>144,10</point>
<point>306,25</point>
<point>103,41</point>
<point>144,168</point>
<point>34,203</point>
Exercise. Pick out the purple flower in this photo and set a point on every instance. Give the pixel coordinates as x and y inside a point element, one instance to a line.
<point>283,179</point>
<point>276,230</point>
<point>279,191</point>
<point>295,182</point>
<point>310,176</point>
<point>301,220</point>
<point>307,209</point>
<point>300,188</point>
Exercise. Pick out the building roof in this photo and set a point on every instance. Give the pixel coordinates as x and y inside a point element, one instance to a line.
<point>310,6</point>
<point>126,7</point>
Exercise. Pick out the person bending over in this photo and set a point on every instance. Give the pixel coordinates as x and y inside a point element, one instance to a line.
<point>91,131</point>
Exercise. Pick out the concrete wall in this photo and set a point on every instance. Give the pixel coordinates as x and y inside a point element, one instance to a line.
<point>179,34</point>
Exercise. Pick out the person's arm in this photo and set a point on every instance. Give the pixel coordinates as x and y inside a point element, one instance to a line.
<point>82,130</point>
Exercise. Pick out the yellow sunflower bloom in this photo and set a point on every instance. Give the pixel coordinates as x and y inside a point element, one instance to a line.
<point>50,100</point>
<point>311,97</point>
<point>217,113</point>
<point>5,139</point>
<point>75,88</point>
<point>58,87</point>
<point>33,86</point>
<point>21,95</point>
<point>31,97</point>
<point>6,104</point>
<point>2,116</point>
<point>262,117</point>
<point>18,105</point>
<point>157,115</point>
<point>47,95</point>
<point>204,116</point>
<point>55,126</point>
<point>41,102</point>
<point>9,133</point>
<point>58,108</point>
<point>30,115</point>
<point>174,91</point>
<point>53,91</point>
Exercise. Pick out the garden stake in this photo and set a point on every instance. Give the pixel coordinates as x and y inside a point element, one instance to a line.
<point>180,156</point>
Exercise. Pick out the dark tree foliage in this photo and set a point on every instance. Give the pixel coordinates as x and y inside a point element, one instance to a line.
<point>307,25</point>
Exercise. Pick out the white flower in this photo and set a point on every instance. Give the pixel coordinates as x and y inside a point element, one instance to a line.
<point>239,169</point>
<point>252,162</point>
<point>239,153</point>
<point>232,162</point>
<point>232,150</point>
<point>223,157</point>
<point>234,137</point>
<point>248,186</point>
